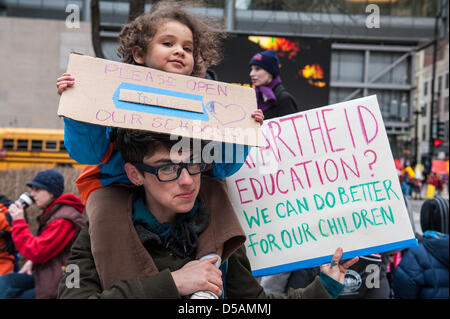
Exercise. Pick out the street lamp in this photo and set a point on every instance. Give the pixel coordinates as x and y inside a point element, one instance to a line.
<point>417,112</point>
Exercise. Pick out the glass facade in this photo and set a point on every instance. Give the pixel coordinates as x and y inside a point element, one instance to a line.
<point>347,66</point>
<point>407,8</point>
<point>362,70</point>
<point>379,61</point>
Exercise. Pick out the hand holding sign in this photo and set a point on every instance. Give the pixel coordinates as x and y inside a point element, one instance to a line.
<point>121,95</point>
<point>336,269</point>
<point>64,81</point>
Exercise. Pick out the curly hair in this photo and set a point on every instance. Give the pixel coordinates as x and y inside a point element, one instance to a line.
<point>205,31</point>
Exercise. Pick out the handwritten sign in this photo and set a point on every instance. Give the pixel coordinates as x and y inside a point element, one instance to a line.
<point>325,178</point>
<point>440,167</point>
<point>166,101</point>
<point>116,94</point>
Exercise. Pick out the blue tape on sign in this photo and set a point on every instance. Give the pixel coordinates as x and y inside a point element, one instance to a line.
<point>160,110</point>
<point>314,262</point>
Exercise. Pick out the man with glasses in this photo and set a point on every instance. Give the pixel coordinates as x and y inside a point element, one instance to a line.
<point>145,242</point>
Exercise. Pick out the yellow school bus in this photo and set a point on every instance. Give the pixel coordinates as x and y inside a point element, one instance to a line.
<point>21,147</point>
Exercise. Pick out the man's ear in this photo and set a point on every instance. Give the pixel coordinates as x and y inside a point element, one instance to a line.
<point>138,55</point>
<point>134,175</point>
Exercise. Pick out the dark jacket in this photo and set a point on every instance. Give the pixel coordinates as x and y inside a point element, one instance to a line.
<point>284,105</point>
<point>423,271</point>
<point>113,262</point>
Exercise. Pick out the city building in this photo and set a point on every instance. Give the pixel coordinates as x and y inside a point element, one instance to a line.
<point>424,134</point>
<point>375,46</point>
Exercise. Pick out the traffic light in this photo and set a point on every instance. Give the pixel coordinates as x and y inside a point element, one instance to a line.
<point>437,142</point>
<point>440,130</point>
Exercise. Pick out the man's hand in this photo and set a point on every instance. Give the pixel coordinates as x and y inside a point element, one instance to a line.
<point>336,269</point>
<point>198,275</point>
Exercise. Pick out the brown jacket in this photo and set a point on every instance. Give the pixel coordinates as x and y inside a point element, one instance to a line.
<point>113,263</point>
<point>117,250</point>
<point>48,275</point>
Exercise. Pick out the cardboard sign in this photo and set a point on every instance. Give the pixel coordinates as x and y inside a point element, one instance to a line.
<point>325,178</point>
<point>116,94</point>
<point>439,167</point>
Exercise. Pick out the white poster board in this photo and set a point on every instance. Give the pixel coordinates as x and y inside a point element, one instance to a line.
<point>325,178</point>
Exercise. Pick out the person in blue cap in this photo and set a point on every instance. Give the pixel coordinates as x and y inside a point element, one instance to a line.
<point>58,226</point>
<point>272,97</point>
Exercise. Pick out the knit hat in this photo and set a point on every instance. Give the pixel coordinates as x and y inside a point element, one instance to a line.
<point>268,60</point>
<point>51,180</point>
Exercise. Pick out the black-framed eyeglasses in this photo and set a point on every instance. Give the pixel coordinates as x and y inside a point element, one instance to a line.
<point>170,172</point>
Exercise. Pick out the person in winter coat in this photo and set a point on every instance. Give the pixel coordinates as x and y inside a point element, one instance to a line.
<point>46,253</point>
<point>272,97</point>
<point>423,271</point>
<point>146,241</point>
<point>6,246</point>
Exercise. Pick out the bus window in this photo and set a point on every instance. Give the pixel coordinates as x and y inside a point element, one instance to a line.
<point>50,145</point>
<point>22,145</point>
<point>8,144</point>
<point>36,145</point>
<point>62,147</point>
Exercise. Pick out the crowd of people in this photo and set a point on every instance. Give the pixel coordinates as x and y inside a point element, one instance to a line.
<point>162,226</point>
<point>419,183</point>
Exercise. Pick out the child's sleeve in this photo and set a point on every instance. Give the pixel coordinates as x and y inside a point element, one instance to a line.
<point>233,157</point>
<point>89,143</point>
<point>86,143</point>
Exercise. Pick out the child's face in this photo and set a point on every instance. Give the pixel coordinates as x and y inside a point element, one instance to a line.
<point>171,49</point>
<point>166,199</point>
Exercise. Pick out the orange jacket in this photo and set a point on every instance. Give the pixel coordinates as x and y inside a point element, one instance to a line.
<point>6,259</point>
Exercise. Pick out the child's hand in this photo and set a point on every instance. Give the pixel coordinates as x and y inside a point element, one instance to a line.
<point>258,116</point>
<point>64,82</point>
